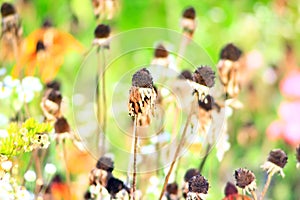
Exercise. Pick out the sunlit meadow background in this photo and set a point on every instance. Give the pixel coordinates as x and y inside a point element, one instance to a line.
<point>267,31</point>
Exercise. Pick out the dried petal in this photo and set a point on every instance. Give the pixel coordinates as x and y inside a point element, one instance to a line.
<point>61,125</point>
<point>7,9</point>
<point>172,188</point>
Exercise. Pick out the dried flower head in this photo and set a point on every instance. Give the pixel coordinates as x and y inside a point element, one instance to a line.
<point>298,156</point>
<point>7,9</point>
<point>55,85</point>
<point>230,189</point>
<point>101,34</point>
<point>245,179</point>
<point>228,69</point>
<point>276,161</point>
<point>230,52</point>
<point>189,13</point>
<point>102,31</point>
<point>204,75</point>
<point>142,79</point>
<point>114,186</point>
<point>207,103</point>
<point>161,52</point>
<point>47,23</point>
<point>190,173</point>
<point>198,184</point>
<point>61,126</point>
<point>172,188</point>
<point>188,22</point>
<point>186,74</point>
<point>105,163</point>
<point>142,96</point>
<point>198,188</point>
<point>55,96</point>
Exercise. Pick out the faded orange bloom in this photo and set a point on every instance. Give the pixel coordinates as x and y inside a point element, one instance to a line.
<point>43,53</point>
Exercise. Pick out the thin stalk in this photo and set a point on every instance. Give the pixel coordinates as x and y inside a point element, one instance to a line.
<point>27,168</point>
<point>104,102</point>
<point>181,142</point>
<point>204,159</point>
<point>183,44</point>
<point>266,187</point>
<point>134,157</point>
<point>64,158</point>
<point>253,193</point>
<point>39,180</point>
<point>98,100</point>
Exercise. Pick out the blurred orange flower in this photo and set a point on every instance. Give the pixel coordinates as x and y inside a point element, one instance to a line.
<point>43,52</point>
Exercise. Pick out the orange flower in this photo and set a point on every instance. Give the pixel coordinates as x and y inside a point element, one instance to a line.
<point>237,197</point>
<point>43,51</point>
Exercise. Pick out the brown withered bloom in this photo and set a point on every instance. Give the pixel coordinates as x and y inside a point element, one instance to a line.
<point>161,56</point>
<point>53,85</point>
<point>102,33</point>
<point>62,129</point>
<point>188,175</point>
<point>172,191</point>
<point>203,80</point>
<point>231,193</point>
<point>228,69</point>
<point>188,21</point>
<point>51,104</point>
<point>275,163</point>
<point>105,163</point>
<point>230,189</point>
<point>11,31</point>
<point>142,97</point>
<point>186,74</point>
<point>198,188</point>
<point>298,156</point>
<point>245,179</point>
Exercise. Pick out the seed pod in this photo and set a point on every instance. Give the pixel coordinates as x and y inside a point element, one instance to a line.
<point>188,22</point>
<point>101,34</point>
<point>245,179</point>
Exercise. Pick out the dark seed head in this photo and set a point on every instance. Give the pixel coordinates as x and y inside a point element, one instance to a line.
<point>161,52</point>
<point>298,153</point>
<point>230,189</point>
<point>55,96</point>
<point>198,184</point>
<point>105,163</point>
<point>230,52</point>
<point>115,185</point>
<point>189,13</point>
<point>190,173</point>
<point>47,23</point>
<point>102,31</point>
<point>172,188</point>
<point>204,75</point>
<point>55,85</point>
<point>142,79</point>
<point>243,177</point>
<point>87,195</point>
<point>40,46</point>
<point>61,125</point>
<point>186,74</point>
<point>278,157</point>
<point>207,103</point>
<point>7,9</point>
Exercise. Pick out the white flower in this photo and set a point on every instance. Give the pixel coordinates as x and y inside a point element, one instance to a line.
<point>11,82</point>
<point>31,83</point>
<point>6,190</point>
<point>3,120</point>
<point>4,91</point>
<point>23,194</point>
<point>6,165</point>
<point>30,176</point>
<point>3,133</point>
<point>222,146</point>
<point>2,71</point>
<point>50,168</point>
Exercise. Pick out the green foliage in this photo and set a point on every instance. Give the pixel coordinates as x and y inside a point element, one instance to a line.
<point>30,135</point>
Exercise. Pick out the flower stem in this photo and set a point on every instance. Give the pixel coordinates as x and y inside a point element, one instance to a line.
<point>64,157</point>
<point>253,193</point>
<point>134,157</point>
<point>270,175</point>
<point>181,142</point>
